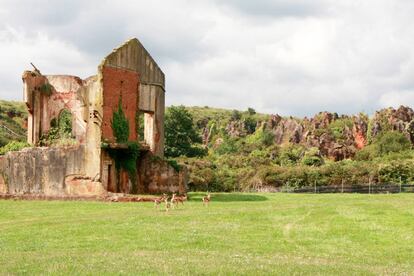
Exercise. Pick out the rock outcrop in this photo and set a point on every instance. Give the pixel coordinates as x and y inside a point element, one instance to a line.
<point>337,137</point>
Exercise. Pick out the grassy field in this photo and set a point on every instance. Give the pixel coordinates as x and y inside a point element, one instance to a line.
<point>237,234</point>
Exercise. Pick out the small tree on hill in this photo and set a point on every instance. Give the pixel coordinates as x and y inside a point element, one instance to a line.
<point>251,111</point>
<point>181,137</point>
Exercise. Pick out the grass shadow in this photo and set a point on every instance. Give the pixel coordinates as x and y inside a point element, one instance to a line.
<point>226,197</point>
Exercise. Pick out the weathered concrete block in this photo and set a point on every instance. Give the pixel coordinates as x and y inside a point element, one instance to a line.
<point>78,185</point>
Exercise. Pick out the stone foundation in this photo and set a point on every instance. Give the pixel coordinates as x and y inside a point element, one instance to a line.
<point>156,176</point>
<point>43,171</point>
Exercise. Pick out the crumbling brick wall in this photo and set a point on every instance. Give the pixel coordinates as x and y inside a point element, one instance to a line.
<point>119,84</point>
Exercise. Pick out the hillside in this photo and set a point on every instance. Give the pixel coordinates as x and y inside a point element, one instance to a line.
<point>336,136</point>
<point>246,151</point>
<point>13,121</point>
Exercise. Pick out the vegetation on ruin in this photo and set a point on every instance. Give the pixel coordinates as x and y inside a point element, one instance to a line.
<point>13,146</point>
<point>125,158</point>
<point>46,88</point>
<point>60,132</point>
<point>120,124</point>
<point>238,234</point>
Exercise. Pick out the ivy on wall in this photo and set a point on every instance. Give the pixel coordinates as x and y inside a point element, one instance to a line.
<point>125,157</point>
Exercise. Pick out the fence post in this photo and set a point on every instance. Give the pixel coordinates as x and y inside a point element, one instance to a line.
<point>342,183</point>
<point>369,186</point>
<point>400,184</point>
<point>315,186</point>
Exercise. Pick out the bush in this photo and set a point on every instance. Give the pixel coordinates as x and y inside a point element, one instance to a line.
<point>396,172</point>
<point>250,125</point>
<point>291,155</point>
<point>312,158</point>
<point>60,132</point>
<point>120,124</point>
<point>13,146</point>
<point>337,127</point>
<point>235,115</point>
<point>229,145</point>
<point>384,144</point>
<point>392,141</point>
<point>251,111</point>
<point>261,137</point>
<point>173,163</point>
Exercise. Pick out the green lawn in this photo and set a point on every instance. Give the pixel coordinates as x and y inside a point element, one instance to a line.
<point>237,234</point>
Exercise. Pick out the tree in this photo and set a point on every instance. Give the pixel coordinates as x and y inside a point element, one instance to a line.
<point>251,111</point>
<point>181,137</point>
<point>235,115</point>
<point>392,141</point>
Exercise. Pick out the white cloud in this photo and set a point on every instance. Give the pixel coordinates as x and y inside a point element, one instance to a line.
<point>397,98</point>
<point>51,56</point>
<point>294,57</point>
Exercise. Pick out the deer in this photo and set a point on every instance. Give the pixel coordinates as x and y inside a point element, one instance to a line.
<point>206,199</point>
<point>159,200</point>
<point>178,199</point>
<point>174,200</point>
<point>167,204</point>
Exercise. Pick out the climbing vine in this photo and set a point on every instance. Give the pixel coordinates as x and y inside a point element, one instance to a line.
<point>120,124</point>
<point>125,157</point>
<point>46,88</point>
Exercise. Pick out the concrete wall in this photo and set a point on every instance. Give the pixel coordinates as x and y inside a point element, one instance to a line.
<point>46,171</point>
<point>93,127</point>
<point>156,176</point>
<point>133,56</point>
<point>66,92</point>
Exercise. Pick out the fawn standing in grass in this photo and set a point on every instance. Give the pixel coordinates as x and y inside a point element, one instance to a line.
<point>206,199</point>
<point>159,200</point>
<point>167,204</point>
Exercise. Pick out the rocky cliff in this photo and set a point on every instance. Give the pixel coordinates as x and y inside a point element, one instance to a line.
<point>336,137</point>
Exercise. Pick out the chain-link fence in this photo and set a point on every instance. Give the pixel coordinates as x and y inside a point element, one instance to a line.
<point>362,188</point>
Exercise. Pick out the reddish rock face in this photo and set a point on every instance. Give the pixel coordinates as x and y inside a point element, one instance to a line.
<point>400,119</point>
<point>119,84</point>
<point>319,132</point>
<point>359,132</point>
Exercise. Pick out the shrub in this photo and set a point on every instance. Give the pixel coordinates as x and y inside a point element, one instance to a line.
<point>120,124</point>
<point>337,127</point>
<point>173,163</point>
<point>392,141</point>
<point>312,157</point>
<point>396,172</point>
<point>235,115</point>
<point>291,154</point>
<point>261,137</point>
<point>385,143</point>
<point>60,132</point>
<point>251,111</point>
<point>13,146</point>
<point>229,145</point>
<point>250,125</point>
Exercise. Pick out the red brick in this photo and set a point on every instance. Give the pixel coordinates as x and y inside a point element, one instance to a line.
<point>115,82</point>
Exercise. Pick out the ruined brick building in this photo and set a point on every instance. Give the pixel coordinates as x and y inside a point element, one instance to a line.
<point>128,77</point>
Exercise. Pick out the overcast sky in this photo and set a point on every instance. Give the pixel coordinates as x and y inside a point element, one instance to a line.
<point>292,57</point>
